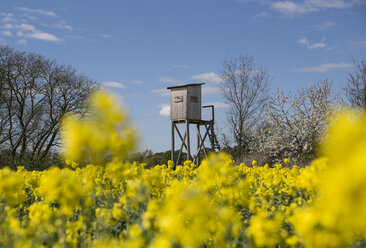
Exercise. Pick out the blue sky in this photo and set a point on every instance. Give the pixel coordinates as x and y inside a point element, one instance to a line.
<point>138,48</point>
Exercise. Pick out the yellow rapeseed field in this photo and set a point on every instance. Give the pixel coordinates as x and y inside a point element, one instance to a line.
<point>113,203</point>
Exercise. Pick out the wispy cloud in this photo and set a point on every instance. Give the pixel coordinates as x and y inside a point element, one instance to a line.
<point>262,14</point>
<point>218,104</point>
<point>168,80</point>
<point>309,45</point>
<point>322,67</point>
<point>75,37</point>
<point>164,109</point>
<point>37,11</point>
<point>113,84</point>
<point>181,66</point>
<point>160,92</point>
<point>8,17</point>
<point>105,36</point>
<point>140,82</point>
<point>208,90</point>
<point>295,8</point>
<point>7,33</point>
<point>210,77</point>
<point>290,8</point>
<point>22,42</point>
<point>30,17</point>
<point>358,44</point>
<point>29,31</point>
<point>60,25</point>
<point>338,4</point>
<point>323,26</point>
<point>8,26</point>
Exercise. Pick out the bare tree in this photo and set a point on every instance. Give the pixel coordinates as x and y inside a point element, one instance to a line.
<point>4,118</point>
<point>356,85</point>
<point>245,87</point>
<point>65,91</point>
<point>35,94</point>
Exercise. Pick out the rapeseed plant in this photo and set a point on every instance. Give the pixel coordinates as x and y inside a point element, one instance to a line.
<point>114,203</point>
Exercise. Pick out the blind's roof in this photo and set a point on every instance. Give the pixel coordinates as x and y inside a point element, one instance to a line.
<point>183,86</point>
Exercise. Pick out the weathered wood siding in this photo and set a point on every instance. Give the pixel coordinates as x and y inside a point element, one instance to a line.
<point>185,103</point>
<point>178,104</point>
<point>194,103</point>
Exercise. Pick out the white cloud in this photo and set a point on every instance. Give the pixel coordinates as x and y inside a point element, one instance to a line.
<point>8,26</point>
<point>358,44</point>
<point>208,90</point>
<point>7,33</point>
<point>322,67</point>
<point>137,82</point>
<point>112,84</point>
<point>29,31</point>
<point>338,4</point>
<point>262,14</point>
<point>292,8</point>
<point>22,42</point>
<point>168,80</point>
<point>217,104</point>
<point>37,11</point>
<point>181,66</point>
<point>160,92</point>
<point>323,26</point>
<point>22,29</point>
<point>164,110</point>
<point>261,1</point>
<point>7,14</point>
<point>210,77</point>
<point>75,37</point>
<point>105,36</point>
<point>305,41</point>
<point>60,25</point>
<point>30,17</point>
<point>8,17</point>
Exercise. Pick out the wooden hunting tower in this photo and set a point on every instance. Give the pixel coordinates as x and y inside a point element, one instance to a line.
<point>185,102</point>
<point>185,108</point>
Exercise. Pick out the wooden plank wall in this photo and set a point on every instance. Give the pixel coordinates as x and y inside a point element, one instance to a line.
<point>185,103</point>
<point>194,103</point>
<point>178,104</point>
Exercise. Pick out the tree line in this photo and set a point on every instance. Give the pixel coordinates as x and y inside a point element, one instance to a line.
<point>35,93</point>
<point>270,127</point>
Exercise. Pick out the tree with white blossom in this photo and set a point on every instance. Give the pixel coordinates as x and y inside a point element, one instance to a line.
<point>294,125</point>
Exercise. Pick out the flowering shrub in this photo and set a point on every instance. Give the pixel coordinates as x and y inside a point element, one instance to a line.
<point>294,124</point>
<point>216,204</point>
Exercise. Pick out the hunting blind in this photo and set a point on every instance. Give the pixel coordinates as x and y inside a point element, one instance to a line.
<point>185,102</point>
<point>185,108</point>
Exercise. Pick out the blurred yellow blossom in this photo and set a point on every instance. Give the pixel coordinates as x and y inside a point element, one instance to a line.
<point>101,136</point>
<point>215,204</point>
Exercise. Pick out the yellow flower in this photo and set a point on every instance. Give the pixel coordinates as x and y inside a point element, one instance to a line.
<point>189,218</point>
<point>63,186</point>
<point>102,136</point>
<point>11,187</point>
<point>337,216</point>
<point>39,213</point>
<point>265,231</point>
